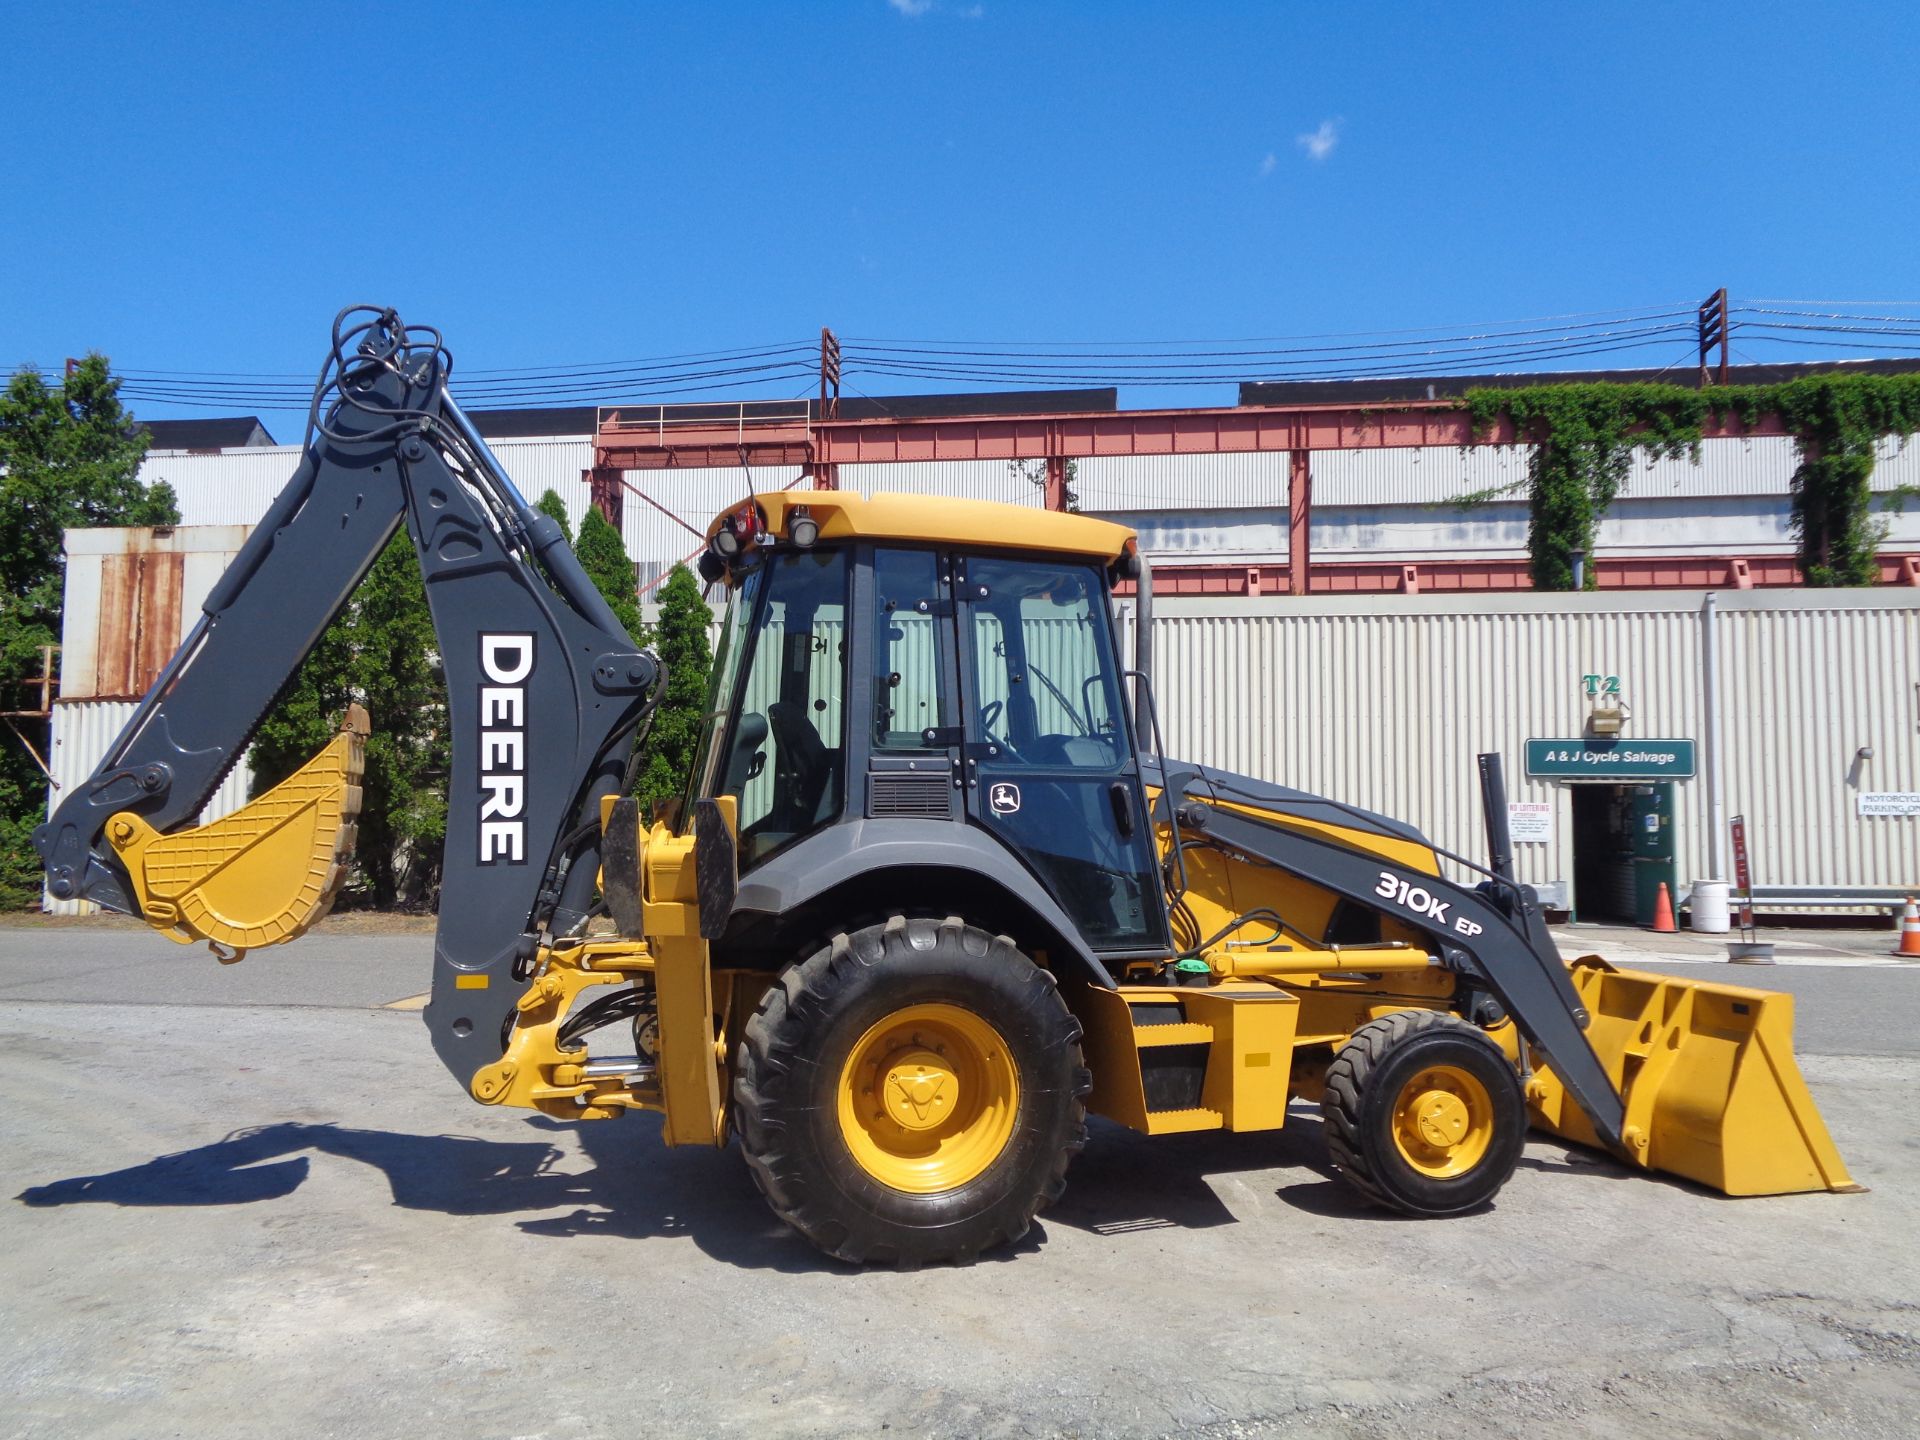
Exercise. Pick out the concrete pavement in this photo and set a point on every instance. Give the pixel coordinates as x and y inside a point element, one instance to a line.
<point>247,1201</point>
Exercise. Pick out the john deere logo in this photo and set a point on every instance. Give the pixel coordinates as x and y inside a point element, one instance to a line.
<point>1004,798</point>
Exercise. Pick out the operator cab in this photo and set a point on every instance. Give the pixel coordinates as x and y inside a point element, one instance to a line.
<point>904,658</point>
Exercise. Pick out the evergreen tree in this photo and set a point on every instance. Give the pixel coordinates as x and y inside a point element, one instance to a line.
<point>380,652</point>
<point>681,638</point>
<point>603,555</point>
<point>69,458</point>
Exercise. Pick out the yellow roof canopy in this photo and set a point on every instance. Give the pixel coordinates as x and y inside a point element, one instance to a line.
<point>941,520</point>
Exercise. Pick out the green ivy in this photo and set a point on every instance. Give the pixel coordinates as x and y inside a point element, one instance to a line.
<point>1838,419</point>
<point>1584,435</point>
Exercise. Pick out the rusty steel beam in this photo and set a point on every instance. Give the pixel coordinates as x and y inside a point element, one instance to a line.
<point>721,449</point>
<point>1241,429</point>
<point>1223,430</point>
<point>1300,521</point>
<point>1055,492</point>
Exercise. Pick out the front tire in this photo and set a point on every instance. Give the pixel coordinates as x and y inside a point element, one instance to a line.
<point>1424,1114</point>
<point>910,1093</point>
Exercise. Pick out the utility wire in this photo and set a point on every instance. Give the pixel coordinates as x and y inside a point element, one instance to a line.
<point>1495,347</point>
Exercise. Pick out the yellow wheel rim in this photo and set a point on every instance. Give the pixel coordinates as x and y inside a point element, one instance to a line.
<point>1443,1121</point>
<point>927,1098</point>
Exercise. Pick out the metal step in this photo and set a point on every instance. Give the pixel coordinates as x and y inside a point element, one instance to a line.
<point>1179,1122</point>
<point>1184,1032</point>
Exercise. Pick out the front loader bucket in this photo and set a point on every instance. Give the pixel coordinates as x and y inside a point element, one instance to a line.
<point>264,874</point>
<point>1708,1078</point>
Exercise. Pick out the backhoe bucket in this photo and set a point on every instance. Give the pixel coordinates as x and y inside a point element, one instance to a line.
<point>264,874</point>
<point>1707,1074</point>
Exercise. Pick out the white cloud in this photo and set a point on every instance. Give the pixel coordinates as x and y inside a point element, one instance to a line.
<point>1318,145</point>
<point>1267,165</point>
<point>973,12</point>
<point>911,7</point>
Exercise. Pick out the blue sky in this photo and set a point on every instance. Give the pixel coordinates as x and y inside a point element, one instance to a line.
<point>205,184</point>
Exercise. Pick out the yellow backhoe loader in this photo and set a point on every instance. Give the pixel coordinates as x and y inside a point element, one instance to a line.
<point>934,891</point>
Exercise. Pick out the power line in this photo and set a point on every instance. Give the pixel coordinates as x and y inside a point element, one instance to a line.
<point>1617,315</point>
<point>1500,347</point>
<point>931,348</point>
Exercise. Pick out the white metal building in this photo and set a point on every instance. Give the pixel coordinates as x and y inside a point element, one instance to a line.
<point>1801,709</point>
<point>1369,505</point>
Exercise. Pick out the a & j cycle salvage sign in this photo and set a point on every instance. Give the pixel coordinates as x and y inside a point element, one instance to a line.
<point>1587,758</point>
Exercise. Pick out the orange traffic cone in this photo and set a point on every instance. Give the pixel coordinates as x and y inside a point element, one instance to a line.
<point>1663,913</point>
<point>1909,945</point>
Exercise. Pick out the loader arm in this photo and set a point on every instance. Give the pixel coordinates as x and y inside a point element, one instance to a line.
<point>1501,946</point>
<point>545,690</point>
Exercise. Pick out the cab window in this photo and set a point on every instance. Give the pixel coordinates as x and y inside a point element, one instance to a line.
<point>1043,663</point>
<point>906,649</point>
<point>786,759</point>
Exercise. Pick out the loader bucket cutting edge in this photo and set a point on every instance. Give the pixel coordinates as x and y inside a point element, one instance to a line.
<point>1708,1078</point>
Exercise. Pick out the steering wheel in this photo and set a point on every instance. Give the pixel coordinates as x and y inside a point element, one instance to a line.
<point>990,712</point>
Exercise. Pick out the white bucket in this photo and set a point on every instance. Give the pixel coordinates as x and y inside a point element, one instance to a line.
<point>1709,905</point>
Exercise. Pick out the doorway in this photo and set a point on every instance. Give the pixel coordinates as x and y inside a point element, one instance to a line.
<point>1623,851</point>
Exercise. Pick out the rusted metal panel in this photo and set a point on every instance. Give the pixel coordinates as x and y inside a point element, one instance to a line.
<point>127,606</point>
<point>138,623</point>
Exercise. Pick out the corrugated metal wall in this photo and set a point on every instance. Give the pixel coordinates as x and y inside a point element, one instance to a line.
<point>1384,703</point>
<point>224,487</point>
<point>1806,687</point>
<point>1201,536</point>
<point>1433,474</point>
<point>1182,482</point>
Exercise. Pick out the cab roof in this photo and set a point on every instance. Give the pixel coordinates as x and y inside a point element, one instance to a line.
<point>941,520</point>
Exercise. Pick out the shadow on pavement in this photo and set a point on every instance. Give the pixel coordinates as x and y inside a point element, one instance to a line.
<point>1125,1181</point>
<point>633,1188</point>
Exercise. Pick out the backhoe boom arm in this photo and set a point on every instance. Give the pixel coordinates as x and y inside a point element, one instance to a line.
<point>545,690</point>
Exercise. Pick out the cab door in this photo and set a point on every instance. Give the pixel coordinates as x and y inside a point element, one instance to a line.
<point>1049,758</point>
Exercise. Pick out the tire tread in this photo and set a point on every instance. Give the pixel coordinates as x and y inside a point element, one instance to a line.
<point>768,1061</point>
<point>1342,1107</point>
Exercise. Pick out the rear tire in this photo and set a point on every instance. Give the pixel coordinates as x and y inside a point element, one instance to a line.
<point>911,1093</point>
<point>1424,1114</point>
